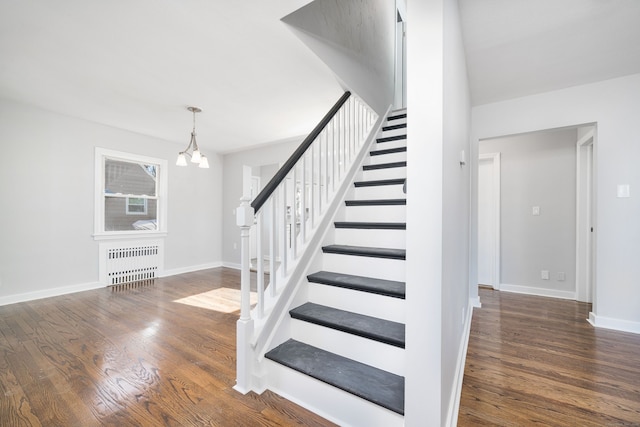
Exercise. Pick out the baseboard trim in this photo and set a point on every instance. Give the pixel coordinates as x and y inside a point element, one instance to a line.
<point>48,293</point>
<point>542,292</point>
<point>191,268</point>
<point>614,324</point>
<point>456,392</point>
<point>64,290</point>
<point>232,265</point>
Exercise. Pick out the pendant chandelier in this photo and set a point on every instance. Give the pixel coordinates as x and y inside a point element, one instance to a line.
<point>195,155</point>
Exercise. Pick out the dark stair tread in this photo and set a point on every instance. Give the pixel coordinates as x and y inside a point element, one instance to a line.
<point>371,225</point>
<point>394,127</point>
<point>378,182</point>
<point>384,166</point>
<point>384,331</point>
<point>391,138</point>
<point>376,202</point>
<point>366,251</point>
<point>397,116</point>
<point>375,385</point>
<point>388,151</point>
<point>390,288</point>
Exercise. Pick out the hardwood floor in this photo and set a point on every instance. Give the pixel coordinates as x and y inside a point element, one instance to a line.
<point>133,357</point>
<point>536,361</point>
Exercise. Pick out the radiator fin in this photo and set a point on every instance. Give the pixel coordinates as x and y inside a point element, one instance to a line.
<point>132,263</point>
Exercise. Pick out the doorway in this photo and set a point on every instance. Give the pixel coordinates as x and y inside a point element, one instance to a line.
<point>489,220</point>
<point>585,215</point>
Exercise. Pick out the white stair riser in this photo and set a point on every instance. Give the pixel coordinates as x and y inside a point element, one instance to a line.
<point>379,192</point>
<point>346,409</point>
<point>374,238</point>
<point>381,306</point>
<point>386,173</point>
<point>396,121</point>
<point>388,158</point>
<point>392,132</point>
<point>389,144</point>
<point>381,268</point>
<point>373,353</point>
<point>391,213</point>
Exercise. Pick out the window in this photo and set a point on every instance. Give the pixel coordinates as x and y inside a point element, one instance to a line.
<point>136,206</point>
<point>130,194</point>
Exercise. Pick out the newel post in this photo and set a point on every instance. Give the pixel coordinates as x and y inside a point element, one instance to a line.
<point>244,335</point>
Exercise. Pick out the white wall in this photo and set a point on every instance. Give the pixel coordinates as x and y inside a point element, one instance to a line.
<point>455,209</point>
<point>47,190</point>
<point>276,152</point>
<point>437,211</point>
<point>537,169</point>
<point>356,40</point>
<point>615,106</point>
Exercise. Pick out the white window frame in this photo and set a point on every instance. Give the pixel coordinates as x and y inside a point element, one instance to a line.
<point>99,232</point>
<point>144,205</point>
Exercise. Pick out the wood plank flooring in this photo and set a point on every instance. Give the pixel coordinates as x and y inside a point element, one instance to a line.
<point>536,361</point>
<point>133,357</point>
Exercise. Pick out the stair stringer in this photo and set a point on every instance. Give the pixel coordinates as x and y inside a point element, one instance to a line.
<point>273,329</point>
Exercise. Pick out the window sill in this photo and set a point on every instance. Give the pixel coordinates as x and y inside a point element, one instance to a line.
<point>129,235</point>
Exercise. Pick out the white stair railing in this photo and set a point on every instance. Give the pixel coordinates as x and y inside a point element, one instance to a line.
<point>287,213</point>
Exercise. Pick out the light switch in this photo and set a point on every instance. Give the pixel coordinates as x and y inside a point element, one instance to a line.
<point>623,190</point>
<point>536,210</point>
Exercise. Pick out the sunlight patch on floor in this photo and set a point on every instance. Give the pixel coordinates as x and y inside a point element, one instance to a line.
<point>224,300</point>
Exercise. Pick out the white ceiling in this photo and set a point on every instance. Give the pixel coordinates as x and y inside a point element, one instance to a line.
<point>521,47</point>
<point>138,64</point>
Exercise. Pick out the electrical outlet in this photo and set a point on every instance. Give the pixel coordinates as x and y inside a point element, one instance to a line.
<point>235,245</point>
<point>544,274</point>
<point>562,276</point>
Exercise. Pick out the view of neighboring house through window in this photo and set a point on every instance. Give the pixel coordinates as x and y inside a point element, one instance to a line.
<point>130,196</point>
<point>129,193</point>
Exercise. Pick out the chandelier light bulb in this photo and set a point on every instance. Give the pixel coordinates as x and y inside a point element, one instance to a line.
<point>204,162</point>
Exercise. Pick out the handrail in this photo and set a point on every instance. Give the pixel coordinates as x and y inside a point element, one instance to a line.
<point>291,162</point>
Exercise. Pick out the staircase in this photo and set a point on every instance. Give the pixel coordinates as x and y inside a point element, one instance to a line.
<point>345,357</point>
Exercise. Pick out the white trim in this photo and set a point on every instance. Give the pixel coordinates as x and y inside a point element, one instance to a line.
<point>48,293</point>
<point>456,392</point>
<point>162,183</point>
<point>234,265</point>
<point>543,292</point>
<point>585,239</point>
<point>129,235</point>
<point>615,324</point>
<point>496,168</point>
<point>191,268</point>
<point>64,290</point>
<point>475,302</point>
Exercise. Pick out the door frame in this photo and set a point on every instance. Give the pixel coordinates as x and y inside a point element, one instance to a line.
<point>400,68</point>
<point>495,161</point>
<point>585,218</point>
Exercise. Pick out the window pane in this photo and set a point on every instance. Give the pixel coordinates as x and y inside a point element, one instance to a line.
<point>129,178</point>
<point>136,206</point>
<point>117,219</point>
